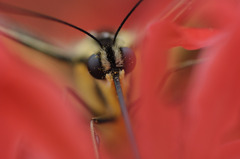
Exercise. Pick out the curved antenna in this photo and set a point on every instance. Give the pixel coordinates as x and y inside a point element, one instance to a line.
<point>124,20</point>
<point>26,12</point>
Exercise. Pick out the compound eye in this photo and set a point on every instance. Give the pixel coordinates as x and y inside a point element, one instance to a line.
<point>95,67</point>
<point>129,59</point>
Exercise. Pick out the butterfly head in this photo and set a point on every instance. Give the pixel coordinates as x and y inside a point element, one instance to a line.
<point>111,58</point>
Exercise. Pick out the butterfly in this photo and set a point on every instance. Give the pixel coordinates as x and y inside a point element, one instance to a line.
<point>101,68</point>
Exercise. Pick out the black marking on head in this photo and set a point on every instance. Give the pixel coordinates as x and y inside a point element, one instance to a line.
<point>111,57</point>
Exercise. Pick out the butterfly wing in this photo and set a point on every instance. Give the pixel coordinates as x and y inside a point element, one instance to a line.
<point>12,30</point>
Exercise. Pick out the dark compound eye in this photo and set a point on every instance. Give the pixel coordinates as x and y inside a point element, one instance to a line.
<point>95,67</point>
<point>129,59</point>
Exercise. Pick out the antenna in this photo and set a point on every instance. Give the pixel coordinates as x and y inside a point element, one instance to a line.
<point>124,20</point>
<point>26,12</point>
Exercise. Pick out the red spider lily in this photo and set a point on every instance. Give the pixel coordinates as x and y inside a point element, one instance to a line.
<point>196,120</point>
<point>203,120</point>
<point>36,121</point>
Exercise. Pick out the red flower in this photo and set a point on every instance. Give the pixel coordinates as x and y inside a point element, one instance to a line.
<point>186,114</point>
<point>36,121</point>
<point>197,116</point>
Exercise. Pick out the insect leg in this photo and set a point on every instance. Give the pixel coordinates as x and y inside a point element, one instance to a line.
<point>95,139</point>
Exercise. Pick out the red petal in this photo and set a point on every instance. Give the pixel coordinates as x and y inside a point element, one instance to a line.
<point>213,109</point>
<point>36,121</point>
<point>160,126</point>
<point>229,150</point>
